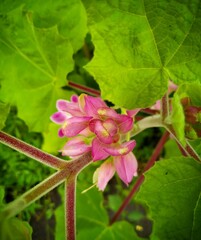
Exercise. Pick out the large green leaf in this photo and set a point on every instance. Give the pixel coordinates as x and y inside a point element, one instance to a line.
<point>36,55</point>
<point>172,192</point>
<point>140,45</point>
<point>14,229</point>
<point>52,142</point>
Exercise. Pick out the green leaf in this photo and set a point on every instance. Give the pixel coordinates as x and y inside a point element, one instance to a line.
<point>36,55</point>
<point>4,111</point>
<point>196,144</point>
<point>92,219</point>
<point>140,45</point>
<point>197,220</point>
<point>14,229</point>
<point>93,210</point>
<point>70,17</point>
<point>172,192</point>
<point>178,119</point>
<point>119,230</point>
<point>172,149</point>
<point>52,142</point>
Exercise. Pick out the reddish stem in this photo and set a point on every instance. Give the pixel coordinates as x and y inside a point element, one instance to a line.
<point>72,168</point>
<point>165,107</point>
<point>149,111</point>
<point>70,207</point>
<point>84,88</point>
<point>140,180</point>
<point>31,151</point>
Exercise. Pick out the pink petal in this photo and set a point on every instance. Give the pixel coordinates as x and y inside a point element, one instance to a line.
<point>75,147</point>
<point>156,106</point>
<point>126,167</point>
<point>62,105</point>
<point>71,108</point>
<point>81,102</point>
<point>58,117</point>
<point>125,123</point>
<point>171,87</point>
<point>60,133</point>
<point>118,150</point>
<point>103,175</point>
<point>107,112</point>
<point>74,98</point>
<point>86,132</point>
<point>92,124</point>
<point>102,133</point>
<point>92,104</point>
<point>98,152</point>
<point>75,125</point>
<point>132,113</point>
<point>110,126</point>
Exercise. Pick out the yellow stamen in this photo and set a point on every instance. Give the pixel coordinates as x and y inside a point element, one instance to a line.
<point>123,150</point>
<point>101,111</point>
<point>104,133</point>
<point>86,190</point>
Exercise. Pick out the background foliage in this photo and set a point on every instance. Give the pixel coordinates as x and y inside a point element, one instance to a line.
<point>131,47</point>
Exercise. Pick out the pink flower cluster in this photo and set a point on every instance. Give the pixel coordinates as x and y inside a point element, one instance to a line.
<point>93,126</point>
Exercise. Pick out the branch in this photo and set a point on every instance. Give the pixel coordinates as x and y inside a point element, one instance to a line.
<point>71,169</point>
<point>70,204</point>
<point>31,151</point>
<point>83,88</point>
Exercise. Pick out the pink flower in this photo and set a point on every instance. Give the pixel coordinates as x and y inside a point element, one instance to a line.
<point>124,165</point>
<point>89,119</point>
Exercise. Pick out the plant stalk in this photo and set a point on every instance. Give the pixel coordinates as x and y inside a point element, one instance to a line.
<point>147,122</point>
<point>70,204</point>
<point>31,151</point>
<point>71,168</point>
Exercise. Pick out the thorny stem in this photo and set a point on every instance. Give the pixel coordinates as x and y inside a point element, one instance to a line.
<point>165,107</point>
<point>31,151</point>
<point>140,180</point>
<point>70,207</point>
<point>71,169</point>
